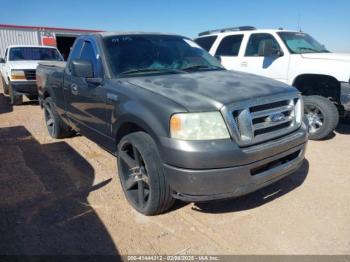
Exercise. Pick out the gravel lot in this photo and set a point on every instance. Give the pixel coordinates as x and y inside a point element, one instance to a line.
<point>64,197</point>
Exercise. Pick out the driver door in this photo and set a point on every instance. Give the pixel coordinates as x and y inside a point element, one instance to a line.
<point>85,100</point>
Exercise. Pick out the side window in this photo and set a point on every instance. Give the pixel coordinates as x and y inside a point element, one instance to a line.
<point>230,45</point>
<point>206,42</point>
<point>256,42</point>
<point>76,50</point>
<point>88,53</point>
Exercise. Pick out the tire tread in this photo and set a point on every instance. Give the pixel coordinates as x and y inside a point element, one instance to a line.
<point>330,113</point>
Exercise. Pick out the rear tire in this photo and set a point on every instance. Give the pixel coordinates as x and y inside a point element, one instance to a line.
<point>322,115</point>
<point>55,125</point>
<point>142,175</point>
<point>32,97</point>
<point>15,99</point>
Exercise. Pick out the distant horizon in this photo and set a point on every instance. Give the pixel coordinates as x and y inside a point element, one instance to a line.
<point>326,21</point>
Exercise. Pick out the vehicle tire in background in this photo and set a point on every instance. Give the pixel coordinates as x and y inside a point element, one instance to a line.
<point>55,125</point>
<point>15,99</point>
<point>5,87</point>
<point>142,175</point>
<point>322,115</point>
<point>32,97</point>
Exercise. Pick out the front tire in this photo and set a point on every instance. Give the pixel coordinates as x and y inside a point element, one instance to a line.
<point>322,115</point>
<point>55,125</point>
<point>4,86</point>
<point>142,175</point>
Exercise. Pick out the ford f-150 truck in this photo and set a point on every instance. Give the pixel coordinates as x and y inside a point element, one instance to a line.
<point>294,58</point>
<point>181,125</point>
<point>18,69</point>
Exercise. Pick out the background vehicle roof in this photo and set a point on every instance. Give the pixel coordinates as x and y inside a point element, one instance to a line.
<point>36,46</point>
<point>250,31</point>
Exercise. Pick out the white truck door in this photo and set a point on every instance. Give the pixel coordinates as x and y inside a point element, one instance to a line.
<point>228,50</point>
<point>253,60</point>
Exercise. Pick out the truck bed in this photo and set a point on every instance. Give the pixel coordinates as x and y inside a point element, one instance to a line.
<point>47,74</point>
<point>59,64</point>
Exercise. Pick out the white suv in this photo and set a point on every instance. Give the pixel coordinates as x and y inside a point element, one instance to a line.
<point>291,57</point>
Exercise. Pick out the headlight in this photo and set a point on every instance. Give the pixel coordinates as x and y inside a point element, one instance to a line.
<point>299,110</point>
<point>198,126</point>
<point>17,75</point>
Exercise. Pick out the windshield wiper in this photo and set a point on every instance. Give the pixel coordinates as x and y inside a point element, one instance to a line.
<point>309,49</point>
<point>199,67</point>
<point>150,70</point>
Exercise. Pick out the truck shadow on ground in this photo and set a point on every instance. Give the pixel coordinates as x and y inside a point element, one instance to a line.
<point>344,127</point>
<point>43,199</point>
<point>258,198</point>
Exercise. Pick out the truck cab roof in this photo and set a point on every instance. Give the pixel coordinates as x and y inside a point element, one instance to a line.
<point>106,34</point>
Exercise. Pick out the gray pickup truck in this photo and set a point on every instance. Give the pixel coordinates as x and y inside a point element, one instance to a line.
<point>181,126</point>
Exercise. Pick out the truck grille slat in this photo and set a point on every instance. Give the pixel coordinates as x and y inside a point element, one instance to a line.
<point>30,74</point>
<point>261,121</point>
<point>272,110</point>
<point>271,124</point>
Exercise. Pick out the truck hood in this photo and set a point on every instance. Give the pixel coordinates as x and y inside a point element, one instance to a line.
<point>24,64</point>
<point>211,90</point>
<point>328,56</point>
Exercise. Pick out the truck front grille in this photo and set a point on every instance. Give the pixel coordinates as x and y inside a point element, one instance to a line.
<point>261,121</point>
<point>30,74</point>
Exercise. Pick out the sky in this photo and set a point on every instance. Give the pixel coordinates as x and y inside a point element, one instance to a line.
<point>327,21</point>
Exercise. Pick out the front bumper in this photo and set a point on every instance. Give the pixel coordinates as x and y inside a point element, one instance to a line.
<point>24,87</point>
<point>211,184</point>
<point>220,171</point>
<point>345,95</point>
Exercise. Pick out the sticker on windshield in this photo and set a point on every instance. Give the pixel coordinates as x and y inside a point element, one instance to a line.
<point>192,44</point>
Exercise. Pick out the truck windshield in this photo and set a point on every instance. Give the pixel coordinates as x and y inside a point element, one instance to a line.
<point>301,43</point>
<point>34,53</point>
<point>160,54</point>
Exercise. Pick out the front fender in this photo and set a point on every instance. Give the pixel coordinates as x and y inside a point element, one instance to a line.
<point>156,124</point>
<point>339,70</point>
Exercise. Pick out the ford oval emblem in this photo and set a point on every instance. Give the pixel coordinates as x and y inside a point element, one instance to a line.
<point>276,117</point>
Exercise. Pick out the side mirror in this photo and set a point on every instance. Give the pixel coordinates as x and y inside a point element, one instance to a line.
<point>218,58</point>
<point>279,53</point>
<point>82,68</point>
<point>2,61</point>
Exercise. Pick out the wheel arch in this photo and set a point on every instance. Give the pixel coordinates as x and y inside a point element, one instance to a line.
<point>318,84</point>
<point>129,124</point>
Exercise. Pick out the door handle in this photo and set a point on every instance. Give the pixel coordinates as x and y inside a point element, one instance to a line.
<point>74,89</point>
<point>244,64</point>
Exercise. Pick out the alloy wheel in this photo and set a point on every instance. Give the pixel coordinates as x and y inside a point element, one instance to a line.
<point>134,175</point>
<point>49,118</point>
<point>314,117</point>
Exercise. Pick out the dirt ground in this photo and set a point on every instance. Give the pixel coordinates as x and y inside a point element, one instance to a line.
<point>64,197</point>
